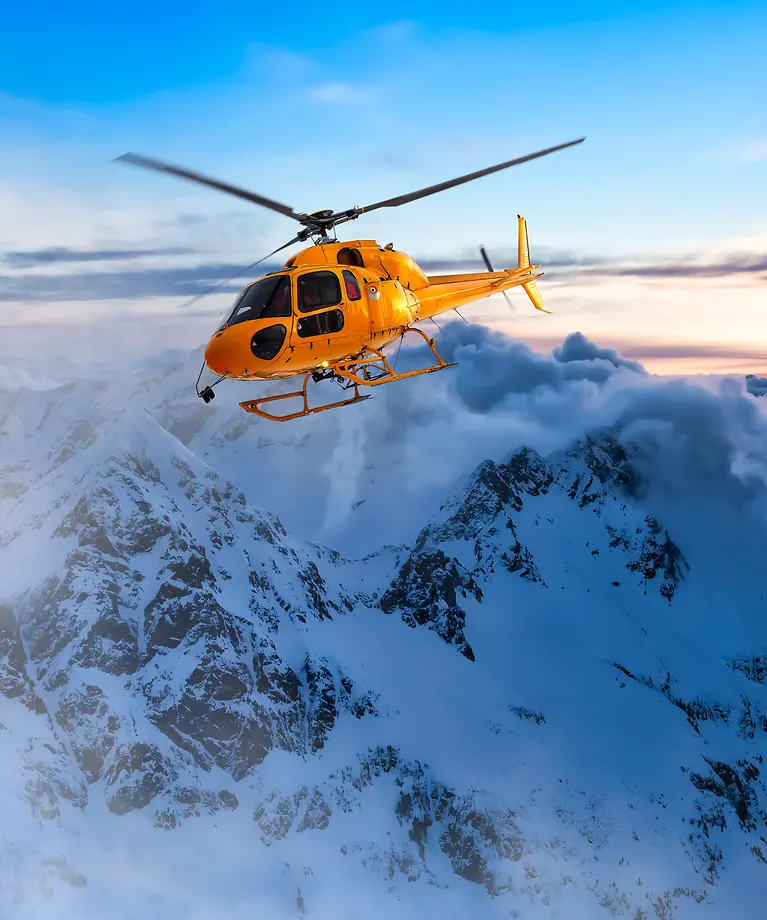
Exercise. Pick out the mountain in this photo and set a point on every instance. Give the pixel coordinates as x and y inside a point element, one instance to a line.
<point>548,700</point>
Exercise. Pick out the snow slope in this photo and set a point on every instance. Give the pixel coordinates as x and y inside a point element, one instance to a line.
<point>549,699</point>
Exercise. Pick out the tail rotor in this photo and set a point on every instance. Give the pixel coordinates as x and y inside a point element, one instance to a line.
<point>490,268</point>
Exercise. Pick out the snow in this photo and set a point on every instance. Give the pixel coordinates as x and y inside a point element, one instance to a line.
<point>593,702</point>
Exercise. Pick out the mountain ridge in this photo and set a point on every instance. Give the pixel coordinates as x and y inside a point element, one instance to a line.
<point>508,715</point>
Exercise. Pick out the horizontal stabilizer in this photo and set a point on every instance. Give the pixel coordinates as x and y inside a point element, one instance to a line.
<point>531,289</point>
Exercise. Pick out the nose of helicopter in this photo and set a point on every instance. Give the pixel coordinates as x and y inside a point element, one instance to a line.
<point>217,354</point>
<point>246,348</point>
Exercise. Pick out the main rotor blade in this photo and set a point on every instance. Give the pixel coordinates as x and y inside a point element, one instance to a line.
<point>433,189</point>
<point>137,160</point>
<point>242,271</point>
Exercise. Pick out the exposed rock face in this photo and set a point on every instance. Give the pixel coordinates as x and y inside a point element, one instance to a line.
<point>135,776</point>
<point>14,682</point>
<point>477,841</point>
<point>426,592</point>
<point>754,667</point>
<point>486,526</point>
<point>144,597</point>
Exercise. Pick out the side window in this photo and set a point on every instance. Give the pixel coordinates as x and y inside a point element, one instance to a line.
<point>352,286</point>
<point>320,324</point>
<point>267,342</point>
<point>318,289</point>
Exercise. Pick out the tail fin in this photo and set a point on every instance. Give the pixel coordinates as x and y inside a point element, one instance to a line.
<point>523,247</point>
<point>530,287</point>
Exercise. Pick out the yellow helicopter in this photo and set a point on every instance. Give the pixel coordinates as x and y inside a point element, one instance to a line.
<point>330,312</point>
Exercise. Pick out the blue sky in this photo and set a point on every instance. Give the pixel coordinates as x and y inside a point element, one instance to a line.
<point>87,52</point>
<point>334,106</point>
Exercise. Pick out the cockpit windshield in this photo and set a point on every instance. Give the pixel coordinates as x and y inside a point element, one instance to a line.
<point>263,299</point>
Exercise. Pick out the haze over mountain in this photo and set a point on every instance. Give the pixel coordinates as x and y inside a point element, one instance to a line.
<point>492,644</point>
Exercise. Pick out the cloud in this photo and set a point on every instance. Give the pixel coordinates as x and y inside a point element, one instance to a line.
<point>402,453</point>
<point>559,264</point>
<point>707,355</point>
<point>701,437</point>
<point>505,257</point>
<point>17,378</point>
<point>577,348</point>
<point>56,254</point>
<point>416,440</point>
<point>693,440</point>
<point>756,386</point>
<point>754,151</point>
<point>138,284</point>
<point>735,264</point>
<point>643,350</point>
<point>145,282</point>
<point>494,367</point>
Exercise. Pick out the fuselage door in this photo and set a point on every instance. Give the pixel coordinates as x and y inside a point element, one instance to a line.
<point>319,306</point>
<point>328,305</point>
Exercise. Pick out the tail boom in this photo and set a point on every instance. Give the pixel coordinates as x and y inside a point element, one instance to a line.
<point>447,292</point>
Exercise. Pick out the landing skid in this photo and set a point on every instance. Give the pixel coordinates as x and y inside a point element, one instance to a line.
<point>371,369</point>
<point>254,405</point>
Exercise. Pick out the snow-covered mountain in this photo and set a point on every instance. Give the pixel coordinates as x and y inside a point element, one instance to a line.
<point>547,698</point>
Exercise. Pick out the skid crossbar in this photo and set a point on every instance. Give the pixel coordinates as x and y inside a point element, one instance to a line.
<point>373,368</point>
<point>254,405</point>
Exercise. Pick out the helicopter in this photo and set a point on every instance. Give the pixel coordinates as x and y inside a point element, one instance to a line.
<point>332,309</point>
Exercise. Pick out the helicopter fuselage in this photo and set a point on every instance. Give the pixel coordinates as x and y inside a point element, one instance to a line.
<point>334,301</point>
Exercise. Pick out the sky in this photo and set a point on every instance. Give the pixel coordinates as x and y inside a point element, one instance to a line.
<point>652,234</point>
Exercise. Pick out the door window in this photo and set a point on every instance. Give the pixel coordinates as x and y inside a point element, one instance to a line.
<point>317,290</point>
<point>320,324</point>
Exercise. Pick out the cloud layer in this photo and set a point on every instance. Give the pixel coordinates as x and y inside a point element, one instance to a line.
<point>390,462</point>
<point>134,284</point>
<point>152,280</point>
<point>567,265</point>
<point>55,255</point>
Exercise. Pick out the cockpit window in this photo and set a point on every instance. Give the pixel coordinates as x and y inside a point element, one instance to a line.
<point>264,299</point>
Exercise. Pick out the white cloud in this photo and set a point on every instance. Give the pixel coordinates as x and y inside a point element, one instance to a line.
<point>753,151</point>
<point>405,450</point>
<point>16,378</point>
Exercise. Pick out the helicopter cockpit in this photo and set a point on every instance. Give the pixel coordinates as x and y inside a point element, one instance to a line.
<point>262,300</point>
